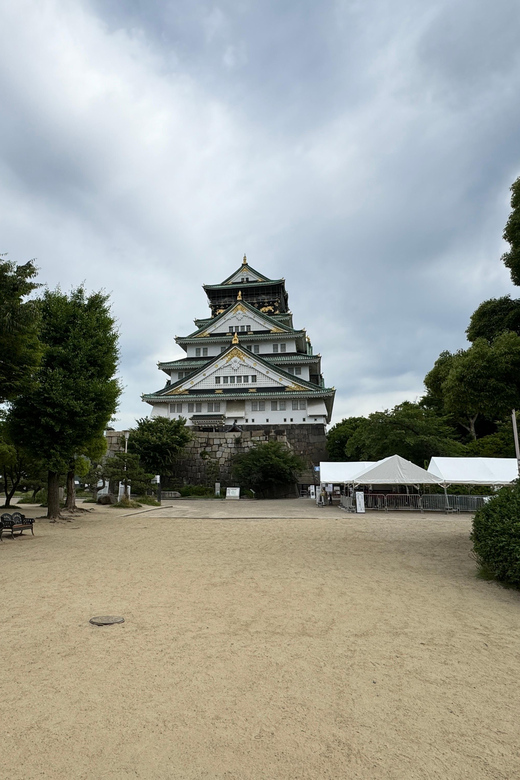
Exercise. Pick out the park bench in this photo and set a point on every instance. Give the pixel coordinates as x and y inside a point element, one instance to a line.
<point>15,522</point>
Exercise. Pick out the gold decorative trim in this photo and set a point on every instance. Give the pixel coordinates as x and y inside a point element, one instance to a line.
<point>295,387</point>
<point>235,340</point>
<point>252,390</point>
<point>277,330</point>
<point>235,353</point>
<point>219,391</point>
<point>201,335</point>
<point>239,296</point>
<point>179,391</point>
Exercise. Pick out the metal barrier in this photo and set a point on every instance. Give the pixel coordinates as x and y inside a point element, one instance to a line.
<point>428,502</point>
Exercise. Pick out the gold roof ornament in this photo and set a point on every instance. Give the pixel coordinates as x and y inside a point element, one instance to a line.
<point>239,296</point>
<point>244,260</point>
<point>235,340</point>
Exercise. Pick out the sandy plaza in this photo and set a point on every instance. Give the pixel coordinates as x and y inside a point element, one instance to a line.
<point>261,640</point>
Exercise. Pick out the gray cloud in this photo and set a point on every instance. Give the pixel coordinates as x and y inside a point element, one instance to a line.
<point>361,150</point>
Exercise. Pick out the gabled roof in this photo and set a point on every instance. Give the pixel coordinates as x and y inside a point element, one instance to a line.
<point>280,377</point>
<point>395,470</point>
<point>245,268</point>
<point>272,325</point>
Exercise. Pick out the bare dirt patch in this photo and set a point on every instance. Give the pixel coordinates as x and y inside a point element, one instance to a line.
<point>261,640</point>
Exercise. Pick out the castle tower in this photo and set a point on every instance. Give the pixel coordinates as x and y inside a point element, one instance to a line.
<point>246,365</point>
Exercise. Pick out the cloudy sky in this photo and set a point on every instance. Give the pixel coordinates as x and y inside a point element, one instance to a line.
<point>362,150</point>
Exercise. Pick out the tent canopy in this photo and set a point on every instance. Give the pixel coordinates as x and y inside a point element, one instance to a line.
<point>474,471</point>
<point>339,473</point>
<point>389,471</point>
<point>395,471</point>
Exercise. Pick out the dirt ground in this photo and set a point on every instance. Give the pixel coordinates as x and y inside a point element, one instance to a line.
<point>264,640</point>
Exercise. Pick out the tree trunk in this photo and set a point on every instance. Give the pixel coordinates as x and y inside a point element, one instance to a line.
<point>472,430</point>
<point>53,495</point>
<point>70,503</point>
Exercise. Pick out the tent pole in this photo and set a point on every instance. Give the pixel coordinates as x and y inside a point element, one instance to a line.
<point>447,499</point>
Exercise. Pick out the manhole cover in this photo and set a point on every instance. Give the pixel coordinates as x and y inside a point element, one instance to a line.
<point>106,620</point>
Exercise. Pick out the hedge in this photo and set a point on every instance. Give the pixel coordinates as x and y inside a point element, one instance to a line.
<point>496,536</point>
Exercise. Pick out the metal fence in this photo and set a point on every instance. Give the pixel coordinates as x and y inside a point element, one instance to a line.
<point>428,502</point>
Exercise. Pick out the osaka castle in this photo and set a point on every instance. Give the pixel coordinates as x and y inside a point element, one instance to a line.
<point>246,366</point>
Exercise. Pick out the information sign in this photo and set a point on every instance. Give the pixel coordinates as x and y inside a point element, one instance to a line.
<point>360,501</point>
<point>233,493</point>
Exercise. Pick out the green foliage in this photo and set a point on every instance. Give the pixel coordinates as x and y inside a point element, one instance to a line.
<point>196,490</point>
<point>338,437</point>
<point>480,382</point>
<point>408,430</point>
<point>126,503</point>
<point>493,317</point>
<point>75,391</point>
<point>496,536</point>
<point>125,467</point>
<point>158,441</point>
<point>148,500</point>
<point>19,321</point>
<point>267,467</point>
<point>511,234</point>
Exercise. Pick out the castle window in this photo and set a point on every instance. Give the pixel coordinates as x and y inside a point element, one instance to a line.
<point>245,380</point>
<point>298,370</point>
<point>281,406</point>
<point>197,351</point>
<point>295,404</point>
<point>214,406</point>
<point>175,408</point>
<point>253,378</point>
<point>303,404</point>
<point>275,347</point>
<point>231,380</point>
<point>239,380</point>
<point>258,406</point>
<point>282,347</point>
<point>256,349</point>
<point>194,408</point>
<point>248,328</point>
<point>217,380</point>
<point>225,379</point>
<point>242,328</point>
<point>274,406</point>
<point>204,351</point>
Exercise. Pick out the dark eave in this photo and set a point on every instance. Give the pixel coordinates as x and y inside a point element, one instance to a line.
<point>265,317</point>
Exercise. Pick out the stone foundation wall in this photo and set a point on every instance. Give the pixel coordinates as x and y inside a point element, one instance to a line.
<point>207,458</point>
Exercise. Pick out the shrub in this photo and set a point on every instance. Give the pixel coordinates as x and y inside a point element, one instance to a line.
<point>270,469</point>
<point>196,490</point>
<point>496,536</point>
<point>148,500</point>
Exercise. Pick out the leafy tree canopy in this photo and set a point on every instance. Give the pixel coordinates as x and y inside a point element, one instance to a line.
<point>511,234</point>
<point>493,317</point>
<point>75,391</point>
<point>409,430</point>
<point>267,467</point>
<point>339,435</point>
<point>158,441</point>
<point>125,467</point>
<point>19,343</point>
<point>484,380</point>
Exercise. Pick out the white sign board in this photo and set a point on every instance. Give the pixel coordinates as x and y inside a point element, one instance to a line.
<point>217,488</point>
<point>232,492</point>
<point>312,491</point>
<point>360,501</point>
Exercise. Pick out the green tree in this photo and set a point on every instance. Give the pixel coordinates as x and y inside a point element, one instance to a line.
<point>408,430</point>
<point>339,435</point>
<point>511,234</point>
<point>158,442</point>
<point>19,344</point>
<point>75,391</point>
<point>493,317</point>
<point>267,468</point>
<point>125,467</point>
<point>484,380</point>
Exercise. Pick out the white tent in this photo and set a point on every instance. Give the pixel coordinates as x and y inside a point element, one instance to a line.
<point>340,473</point>
<point>474,471</point>
<point>395,471</point>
